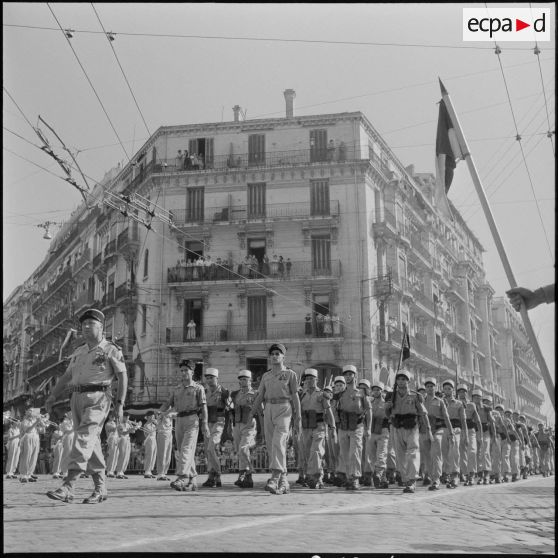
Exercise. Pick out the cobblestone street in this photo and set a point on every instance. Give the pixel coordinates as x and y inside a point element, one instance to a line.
<point>143,515</point>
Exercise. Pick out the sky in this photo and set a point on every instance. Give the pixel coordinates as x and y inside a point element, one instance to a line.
<point>191,63</point>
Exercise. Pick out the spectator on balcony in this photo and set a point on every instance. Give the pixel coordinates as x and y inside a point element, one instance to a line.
<point>336,325</point>
<point>319,325</point>
<point>327,325</point>
<point>180,159</point>
<point>189,269</point>
<point>330,150</point>
<point>288,267</point>
<point>191,330</point>
<point>342,151</point>
<point>187,163</point>
<point>197,164</point>
<point>281,268</point>
<point>265,265</point>
<point>308,324</point>
<point>274,265</point>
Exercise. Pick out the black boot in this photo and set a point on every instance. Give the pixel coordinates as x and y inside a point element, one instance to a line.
<point>210,482</point>
<point>247,482</point>
<point>238,482</point>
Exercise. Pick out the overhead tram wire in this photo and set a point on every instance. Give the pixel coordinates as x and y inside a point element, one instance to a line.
<point>89,81</point>
<point>121,69</point>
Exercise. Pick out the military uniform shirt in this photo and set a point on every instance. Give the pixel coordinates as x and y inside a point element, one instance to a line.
<point>245,399</point>
<point>98,365</point>
<point>215,398</point>
<point>314,401</point>
<point>456,411</point>
<point>434,408</point>
<point>164,424</point>
<point>279,385</point>
<point>188,398</point>
<point>353,400</point>
<point>412,403</point>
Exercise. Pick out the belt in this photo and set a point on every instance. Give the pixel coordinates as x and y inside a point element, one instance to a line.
<point>455,423</point>
<point>86,388</point>
<point>278,400</point>
<point>187,413</point>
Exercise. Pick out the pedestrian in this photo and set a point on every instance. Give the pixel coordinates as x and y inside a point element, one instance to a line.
<point>92,368</point>
<point>188,399</point>
<point>278,392</point>
<point>112,445</point>
<point>149,445</point>
<point>29,444</point>
<point>452,437</point>
<point>164,444</point>
<point>406,409</point>
<point>355,422</point>
<point>377,444</point>
<point>13,447</point>
<point>244,430</point>
<point>56,447</point>
<point>125,427</point>
<point>216,397</point>
<point>544,439</point>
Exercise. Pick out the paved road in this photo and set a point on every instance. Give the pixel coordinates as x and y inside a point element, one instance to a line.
<point>143,515</point>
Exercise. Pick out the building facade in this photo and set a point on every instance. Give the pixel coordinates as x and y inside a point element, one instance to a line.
<point>302,230</point>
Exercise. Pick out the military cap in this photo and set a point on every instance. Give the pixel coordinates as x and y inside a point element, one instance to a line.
<point>340,379</point>
<point>515,412</point>
<point>365,382</point>
<point>540,424</point>
<point>522,417</point>
<point>212,372</point>
<point>499,406</point>
<point>349,368</point>
<point>508,411</point>
<point>245,374</point>
<point>377,384</point>
<point>328,388</point>
<point>277,347</point>
<point>462,387</point>
<point>421,388</point>
<point>92,314</point>
<point>310,372</point>
<point>448,383</point>
<point>487,398</point>
<point>188,363</point>
<point>477,391</point>
<point>387,389</point>
<point>403,373</point>
<point>430,381</point>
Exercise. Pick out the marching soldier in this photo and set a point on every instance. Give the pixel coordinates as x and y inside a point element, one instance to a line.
<point>164,444</point>
<point>316,416</point>
<point>244,430</point>
<point>89,375</point>
<point>377,444</point>
<point>407,410</point>
<point>535,451</point>
<point>543,438</point>
<point>500,453</point>
<point>458,420</point>
<point>332,443</point>
<point>468,441</point>
<point>366,466</point>
<point>188,399</point>
<point>278,392</point>
<point>514,443</point>
<point>443,430</point>
<point>487,425</point>
<point>424,449</point>
<point>355,421</point>
<point>216,397</point>
<point>391,464</point>
<point>150,445</point>
<point>112,445</point>
<point>521,427</point>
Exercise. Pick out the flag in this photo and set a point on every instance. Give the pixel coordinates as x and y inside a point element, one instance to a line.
<point>405,345</point>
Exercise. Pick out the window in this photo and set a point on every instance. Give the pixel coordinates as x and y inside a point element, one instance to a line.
<point>193,250</point>
<point>143,319</point>
<point>319,197</point>
<point>256,201</point>
<point>321,307</point>
<point>192,312</point>
<point>258,366</point>
<point>318,145</point>
<point>438,344</point>
<point>401,270</point>
<point>256,149</point>
<point>194,205</point>
<point>146,264</point>
<point>256,247</point>
<point>257,317</point>
<point>203,148</point>
<point>321,255</point>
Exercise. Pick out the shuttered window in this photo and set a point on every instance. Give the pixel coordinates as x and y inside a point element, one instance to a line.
<point>194,204</point>
<point>321,255</point>
<point>257,317</point>
<point>318,145</point>
<point>319,197</point>
<point>256,201</point>
<point>256,149</point>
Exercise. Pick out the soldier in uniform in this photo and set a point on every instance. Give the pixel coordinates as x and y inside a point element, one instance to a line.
<point>244,430</point>
<point>450,446</point>
<point>89,375</point>
<point>278,392</point>
<point>500,450</point>
<point>316,416</point>
<point>340,476</point>
<point>514,442</point>
<point>29,445</point>
<point>424,449</point>
<point>523,446</point>
<point>355,422</point>
<point>13,447</point>
<point>543,438</point>
<point>125,427</point>
<point>56,447</point>
<point>150,445</point>
<point>535,449</point>
<point>112,445</point>
<point>391,462</point>
<point>377,444</point>
<point>442,428</point>
<point>188,399</point>
<point>487,425</point>
<point>468,442</point>
<point>216,397</point>
<point>331,442</point>
<point>164,444</point>
<point>406,409</point>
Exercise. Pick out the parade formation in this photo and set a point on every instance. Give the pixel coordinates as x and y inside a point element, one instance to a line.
<point>350,434</point>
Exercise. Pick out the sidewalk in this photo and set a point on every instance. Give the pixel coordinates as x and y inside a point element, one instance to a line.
<point>144,515</point>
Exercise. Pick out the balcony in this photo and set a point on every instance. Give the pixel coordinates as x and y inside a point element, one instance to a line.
<point>98,260</point>
<point>529,363</point>
<point>107,300</point>
<point>422,349</point>
<point>243,213</point>
<point>419,249</point>
<point>390,342</point>
<point>224,334</point>
<point>384,225</point>
<point>81,263</point>
<point>42,365</point>
<point>424,301</point>
<point>61,281</point>
<point>84,300</point>
<point>532,390</point>
<point>110,250</point>
<point>236,272</point>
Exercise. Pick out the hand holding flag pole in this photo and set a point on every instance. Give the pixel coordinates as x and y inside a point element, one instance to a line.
<point>465,154</point>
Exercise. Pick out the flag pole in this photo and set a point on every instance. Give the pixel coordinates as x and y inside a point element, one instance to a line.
<point>498,241</point>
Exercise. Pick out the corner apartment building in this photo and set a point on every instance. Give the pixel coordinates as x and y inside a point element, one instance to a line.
<point>305,230</point>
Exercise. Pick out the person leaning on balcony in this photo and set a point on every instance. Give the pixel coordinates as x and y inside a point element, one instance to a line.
<point>278,391</point>
<point>531,299</point>
<point>188,399</point>
<point>89,375</point>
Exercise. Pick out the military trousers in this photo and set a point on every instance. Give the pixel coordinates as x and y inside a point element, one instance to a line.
<point>350,451</point>
<point>434,456</point>
<point>514,458</point>
<point>150,453</point>
<point>313,448</point>
<point>29,453</point>
<point>112,458</point>
<point>277,420</point>
<point>67,443</point>
<point>468,452</point>
<point>450,449</point>
<point>483,452</point>
<point>124,450</point>
<point>496,455</point>
<point>244,438</point>
<point>376,452</point>
<point>332,452</point>
<point>13,456</point>
<point>57,458</point>
<point>391,462</point>
<point>212,443</point>
<point>164,451</point>
<point>186,431</point>
<point>424,451</point>
<point>89,412</point>
<point>406,446</point>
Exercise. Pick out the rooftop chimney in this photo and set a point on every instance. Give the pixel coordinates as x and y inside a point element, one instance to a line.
<point>236,111</point>
<point>289,101</point>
